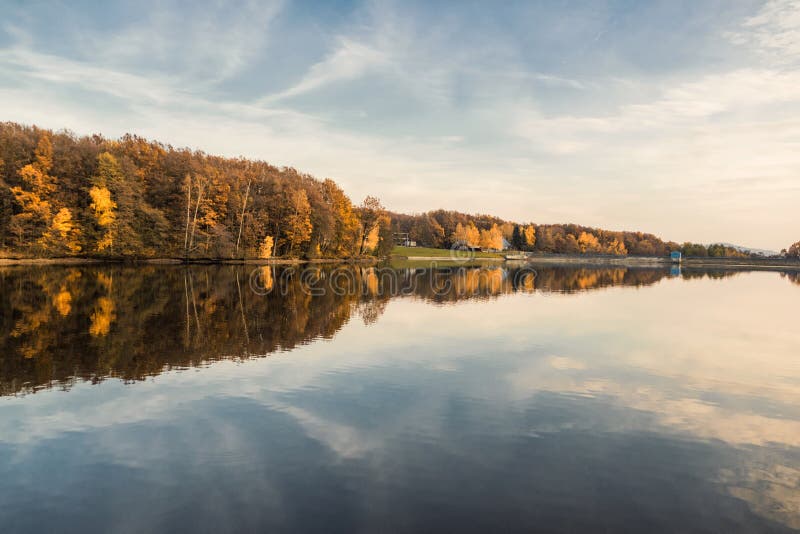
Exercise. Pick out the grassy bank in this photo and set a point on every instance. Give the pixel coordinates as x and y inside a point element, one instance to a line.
<point>437,253</point>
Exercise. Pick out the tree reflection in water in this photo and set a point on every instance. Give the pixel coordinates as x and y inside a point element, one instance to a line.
<point>60,325</point>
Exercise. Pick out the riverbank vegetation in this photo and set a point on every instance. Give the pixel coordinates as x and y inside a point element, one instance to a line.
<point>67,196</point>
<point>444,229</point>
<point>794,251</point>
<point>62,195</point>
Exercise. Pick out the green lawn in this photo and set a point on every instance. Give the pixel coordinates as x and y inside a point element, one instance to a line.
<point>426,252</point>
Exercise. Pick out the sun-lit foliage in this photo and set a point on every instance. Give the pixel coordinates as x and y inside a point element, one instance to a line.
<point>103,210</point>
<point>265,250</point>
<point>134,197</point>
<point>66,195</point>
<point>492,238</point>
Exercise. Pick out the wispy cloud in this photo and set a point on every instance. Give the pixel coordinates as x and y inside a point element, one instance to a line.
<point>350,60</point>
<point>774,31</point>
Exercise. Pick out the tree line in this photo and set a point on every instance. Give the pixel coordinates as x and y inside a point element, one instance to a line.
<point>444,229</point>
<point>64,195</point>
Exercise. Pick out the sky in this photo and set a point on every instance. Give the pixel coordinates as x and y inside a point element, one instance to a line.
<point>680,118</point>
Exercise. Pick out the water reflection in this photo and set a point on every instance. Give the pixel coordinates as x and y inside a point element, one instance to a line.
<point>506,402</point>
<point>138,321</point>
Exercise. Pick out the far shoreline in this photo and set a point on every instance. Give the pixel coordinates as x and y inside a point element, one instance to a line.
<point>763,264</point>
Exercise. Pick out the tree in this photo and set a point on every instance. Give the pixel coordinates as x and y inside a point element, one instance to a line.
<point>529,235</point>
<point>346,225</point>
<point>103,210</point>
<point>30,223</point>
<point>588,242</point>
<point>716,250</point>
<point>794,251</point>
<point>468,235</point>
<point>370,213</point>
<point>459,236</point>
<point>517,240</point>
<point>545,239</point>
<point>473,235</point>
<point>244,210</point>
<point>63,236</point>
<point>616,247</point>
<point>265,249</point>
<point>6,209</point>
<point>119,208</point>
<point>571,245</point>
<point>192,183</point>
<point>298,224</point>
<point>427,231</point>
<point>492,238</point>
<point>34,199</point>
<point>371,244</point>
<point>385,237</point>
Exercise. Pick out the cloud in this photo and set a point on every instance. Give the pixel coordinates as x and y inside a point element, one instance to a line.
<point>774,31</point>
<point>349,61</point>
<point>59,71</point>
<point>208,42</point>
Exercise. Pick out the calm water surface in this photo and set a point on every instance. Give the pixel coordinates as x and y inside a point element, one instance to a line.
<point>212,399</point>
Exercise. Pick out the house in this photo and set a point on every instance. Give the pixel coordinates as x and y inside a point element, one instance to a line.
<point>676,256</point>
<point>462,245</point>
<point>402,239</point>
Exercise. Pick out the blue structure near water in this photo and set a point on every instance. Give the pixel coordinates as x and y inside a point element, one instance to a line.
<point>676,256</point>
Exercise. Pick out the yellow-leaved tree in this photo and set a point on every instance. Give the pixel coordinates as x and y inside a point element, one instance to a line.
<point>616,247</point>
<point>265,249</point>
<point>347,226</point>
<point>371,243</point>
<point>370,212</point>
<point>34,198</point>
<point>298,224</point>
<point>466,235</point>
<point>103,207</point>
<point>588,242</point>
<point>63,236</point>
<point>492,238</point>
<point>529,236</point>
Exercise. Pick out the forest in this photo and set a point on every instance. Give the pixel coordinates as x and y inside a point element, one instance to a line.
<point>444,229</point>
<point>64,195</point>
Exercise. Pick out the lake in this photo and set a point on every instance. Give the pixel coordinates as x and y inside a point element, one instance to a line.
<point>360,399</point>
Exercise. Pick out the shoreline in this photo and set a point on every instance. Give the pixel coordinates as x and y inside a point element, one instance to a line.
<point>446,259</point>
<point>182,261</point>
<point>765,264</point>
<point>753,264</point>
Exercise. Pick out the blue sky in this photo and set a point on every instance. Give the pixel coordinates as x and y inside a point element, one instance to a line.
<point>680,118</point>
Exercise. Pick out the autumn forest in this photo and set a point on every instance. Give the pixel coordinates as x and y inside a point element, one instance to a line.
<point>65,195</point>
